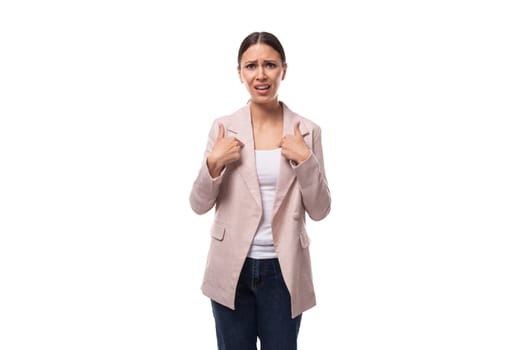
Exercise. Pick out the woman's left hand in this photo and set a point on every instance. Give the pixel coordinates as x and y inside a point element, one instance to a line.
<point>293,146</point>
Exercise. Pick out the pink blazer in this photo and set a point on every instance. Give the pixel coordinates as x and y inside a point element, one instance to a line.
<point>238,210</point>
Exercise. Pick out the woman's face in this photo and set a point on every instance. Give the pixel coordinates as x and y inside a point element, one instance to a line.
<point>261,71</point>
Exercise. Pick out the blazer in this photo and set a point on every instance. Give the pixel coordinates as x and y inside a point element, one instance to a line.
<point>236,196</point>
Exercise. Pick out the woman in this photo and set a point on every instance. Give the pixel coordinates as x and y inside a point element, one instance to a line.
<point>262,170</point>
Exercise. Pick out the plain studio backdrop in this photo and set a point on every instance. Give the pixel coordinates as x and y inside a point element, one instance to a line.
<point>105,108</point>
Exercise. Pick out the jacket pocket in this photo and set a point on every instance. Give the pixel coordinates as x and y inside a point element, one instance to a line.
<point>217,232</point>
<point>305,240</point>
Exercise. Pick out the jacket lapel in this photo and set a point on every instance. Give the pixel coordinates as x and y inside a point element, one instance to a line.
<point>241,128</point>
<point>286,174</point>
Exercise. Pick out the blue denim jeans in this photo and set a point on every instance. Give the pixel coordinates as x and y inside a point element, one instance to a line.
<point>262,309</point>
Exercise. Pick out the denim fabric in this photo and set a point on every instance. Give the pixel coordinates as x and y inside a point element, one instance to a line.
<point>262,309</point>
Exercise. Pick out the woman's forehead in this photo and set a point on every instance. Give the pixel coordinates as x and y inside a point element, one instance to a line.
<point>260,52</point>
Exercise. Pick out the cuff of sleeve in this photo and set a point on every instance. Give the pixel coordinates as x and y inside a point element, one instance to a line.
<point>295,165</point>
<point>215,179</point>
<point>306,171</point>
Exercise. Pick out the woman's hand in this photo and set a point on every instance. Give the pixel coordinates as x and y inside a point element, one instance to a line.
<point>225,151</point>
<point>293,146</point>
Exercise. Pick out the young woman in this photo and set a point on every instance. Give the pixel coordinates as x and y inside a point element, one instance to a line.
<point>262,170</point>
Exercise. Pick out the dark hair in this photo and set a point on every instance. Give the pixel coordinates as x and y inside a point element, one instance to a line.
<point>261,38</point>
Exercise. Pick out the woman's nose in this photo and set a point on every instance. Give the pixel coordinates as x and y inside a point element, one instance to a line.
<point>261,74</point>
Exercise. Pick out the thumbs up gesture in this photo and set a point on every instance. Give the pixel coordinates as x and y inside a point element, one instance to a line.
<point>293,146</point>
<point>225,151</point>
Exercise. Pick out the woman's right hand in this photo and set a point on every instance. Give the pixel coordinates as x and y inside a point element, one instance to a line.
<point>225,151</point>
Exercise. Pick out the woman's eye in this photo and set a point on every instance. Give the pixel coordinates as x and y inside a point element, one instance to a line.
<point>271,65</point>
<point>250,66</point>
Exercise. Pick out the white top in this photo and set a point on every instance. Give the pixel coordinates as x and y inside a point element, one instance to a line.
<point>267,163</point>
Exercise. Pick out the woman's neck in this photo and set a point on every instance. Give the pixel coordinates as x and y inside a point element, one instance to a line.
<point>266,114</point>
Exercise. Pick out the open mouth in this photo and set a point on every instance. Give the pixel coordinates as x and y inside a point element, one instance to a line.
<point>262,87</point>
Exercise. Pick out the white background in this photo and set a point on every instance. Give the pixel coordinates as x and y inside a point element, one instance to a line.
<point>105,107</point>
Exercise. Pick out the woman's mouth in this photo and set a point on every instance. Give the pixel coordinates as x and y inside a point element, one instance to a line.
<point>262,87</point>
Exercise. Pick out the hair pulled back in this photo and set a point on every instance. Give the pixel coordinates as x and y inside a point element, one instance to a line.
<point>261,38</point>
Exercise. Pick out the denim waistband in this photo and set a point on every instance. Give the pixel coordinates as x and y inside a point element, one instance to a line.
<point>261,267</point>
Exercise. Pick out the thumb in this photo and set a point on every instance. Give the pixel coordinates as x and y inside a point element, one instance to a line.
<point>297,131</point>
<point>221,132</point>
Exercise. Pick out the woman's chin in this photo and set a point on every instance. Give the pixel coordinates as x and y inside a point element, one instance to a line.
<point>262,100</point>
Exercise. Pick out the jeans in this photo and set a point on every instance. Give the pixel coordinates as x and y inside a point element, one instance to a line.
<point>262,309</point>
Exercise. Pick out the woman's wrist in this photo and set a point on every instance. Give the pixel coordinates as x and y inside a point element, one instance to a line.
<point>214,167</point>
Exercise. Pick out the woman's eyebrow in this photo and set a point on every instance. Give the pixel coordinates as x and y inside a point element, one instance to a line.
<point>264,61</point>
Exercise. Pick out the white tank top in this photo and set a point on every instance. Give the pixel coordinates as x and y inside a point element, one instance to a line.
<point>267,163</point>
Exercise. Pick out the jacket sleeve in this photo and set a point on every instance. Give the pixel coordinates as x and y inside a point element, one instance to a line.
<point>205,188</point>
<point>312,180</point>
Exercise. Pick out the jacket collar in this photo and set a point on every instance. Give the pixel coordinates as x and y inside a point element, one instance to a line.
<point>241,125</point>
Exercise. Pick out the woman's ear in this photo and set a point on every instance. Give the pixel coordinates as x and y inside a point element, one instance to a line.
<point>240,76</point>
<point>285,66</point>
